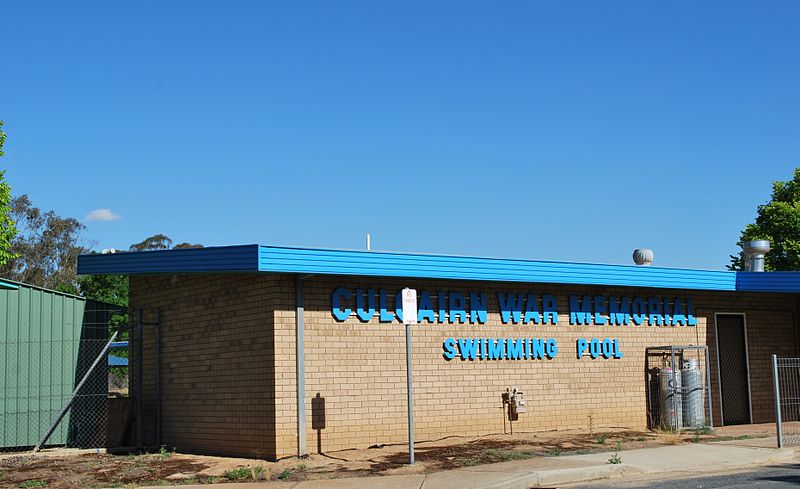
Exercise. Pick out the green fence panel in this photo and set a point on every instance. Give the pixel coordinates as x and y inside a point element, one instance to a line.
<point>40,335</point>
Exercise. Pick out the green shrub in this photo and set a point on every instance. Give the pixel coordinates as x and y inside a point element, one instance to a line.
<point>239,473</point>
<point>502,455</point>
<point>33,483</point>
<point>164,453</point>
<point>616,459</point>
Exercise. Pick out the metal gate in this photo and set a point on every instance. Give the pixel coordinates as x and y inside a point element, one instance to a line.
<point>786,382</point>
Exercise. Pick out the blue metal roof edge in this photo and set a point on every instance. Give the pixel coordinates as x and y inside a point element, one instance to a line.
<point>8,285</point>
<point>391,264</point>
<point>768,281</point>
<point>238,258</point>
<point>276,259</point>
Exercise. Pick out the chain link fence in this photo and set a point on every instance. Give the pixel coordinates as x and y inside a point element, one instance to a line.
<point>786,380</point>
<point>49,393</point>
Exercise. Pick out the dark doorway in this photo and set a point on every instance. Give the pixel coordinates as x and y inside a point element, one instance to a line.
<point>733,372</point>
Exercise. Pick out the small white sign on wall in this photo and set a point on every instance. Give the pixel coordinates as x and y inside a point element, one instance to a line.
<point>409,306</point>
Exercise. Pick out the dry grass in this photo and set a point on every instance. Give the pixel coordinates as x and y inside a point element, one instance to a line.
<point>670,437</point>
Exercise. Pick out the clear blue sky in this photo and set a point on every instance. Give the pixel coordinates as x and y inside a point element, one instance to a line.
<point>572,131</point>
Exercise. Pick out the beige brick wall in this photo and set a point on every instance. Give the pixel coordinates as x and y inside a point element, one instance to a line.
<point>228,370</point>
<point>217,362</point>
<point>359,368</point>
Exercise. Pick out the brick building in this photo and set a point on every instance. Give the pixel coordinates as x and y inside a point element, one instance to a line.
<point>222,369</point>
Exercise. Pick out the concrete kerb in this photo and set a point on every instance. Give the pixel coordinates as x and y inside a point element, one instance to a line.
<point>672,460</point>
<point>548,478</point>
<point>646,462</point>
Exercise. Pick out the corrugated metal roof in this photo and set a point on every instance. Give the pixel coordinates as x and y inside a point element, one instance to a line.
<point>13,284</point>
<point>8,285</point>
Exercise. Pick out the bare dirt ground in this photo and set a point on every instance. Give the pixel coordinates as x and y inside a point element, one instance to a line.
<point>67,469</point>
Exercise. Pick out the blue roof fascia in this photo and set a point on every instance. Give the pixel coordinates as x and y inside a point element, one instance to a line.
<point>371,263</point>
<point>276,259</point>
<point>242,258</point>
<point>768,281</point>
<point>8,285</point>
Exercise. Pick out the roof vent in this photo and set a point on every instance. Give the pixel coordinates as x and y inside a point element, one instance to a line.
<point>754,252</point>
<point>643,256</point>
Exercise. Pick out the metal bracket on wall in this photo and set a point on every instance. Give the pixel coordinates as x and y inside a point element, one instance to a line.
<point>139,339</point>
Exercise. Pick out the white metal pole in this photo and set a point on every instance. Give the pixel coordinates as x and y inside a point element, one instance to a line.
<point>410,396</point>
<point>779,428</point>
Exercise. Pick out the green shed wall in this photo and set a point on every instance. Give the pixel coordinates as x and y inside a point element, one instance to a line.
<point>40,333</point>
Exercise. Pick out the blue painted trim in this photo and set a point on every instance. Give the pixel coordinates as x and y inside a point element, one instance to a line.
<point>275,259</point>
<point>119,344</point>
<point>8,285</point>
<point>242,258</point>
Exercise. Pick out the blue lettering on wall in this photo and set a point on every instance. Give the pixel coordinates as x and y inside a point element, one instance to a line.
<point>457,310</point>
<point>477,307</point>
<point>340,312</point>
<point>531,311</point>
<point>549,309</point>
<point>600,309</point>
<point>496,348</point>
<point>499,348</point>
<point>514,349</point>
<point>510,307</point>
<point>449,347</point>
<point>425,308</point>
<point>365,313</point>
<point>637,311</point>
<point>655,318</point>
<point>514,308</point>
<point>595,348</point>
<point>468,348</point>
<point>579,311</point>
<point>678,313</point>
<point>384,315</point>
<point>537,348</point>
<point>442,306</point>
<point>552,348</point>
<point>619,311</point>
<point>690,312</point>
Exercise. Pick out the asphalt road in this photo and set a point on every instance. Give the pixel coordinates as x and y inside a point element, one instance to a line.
<point>774,477</point>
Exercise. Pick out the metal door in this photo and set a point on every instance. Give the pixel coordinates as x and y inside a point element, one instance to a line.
<point>733,371</point>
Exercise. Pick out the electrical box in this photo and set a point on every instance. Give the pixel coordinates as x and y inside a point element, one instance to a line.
<point>515,401</point>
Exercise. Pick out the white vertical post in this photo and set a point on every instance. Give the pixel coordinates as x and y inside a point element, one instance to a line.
<point>776,383</point>
<point>409,317</point>
<point>300,368</point>
<point>410,396</point>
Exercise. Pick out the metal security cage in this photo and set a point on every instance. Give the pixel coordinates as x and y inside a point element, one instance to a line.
<point>678,387</point>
